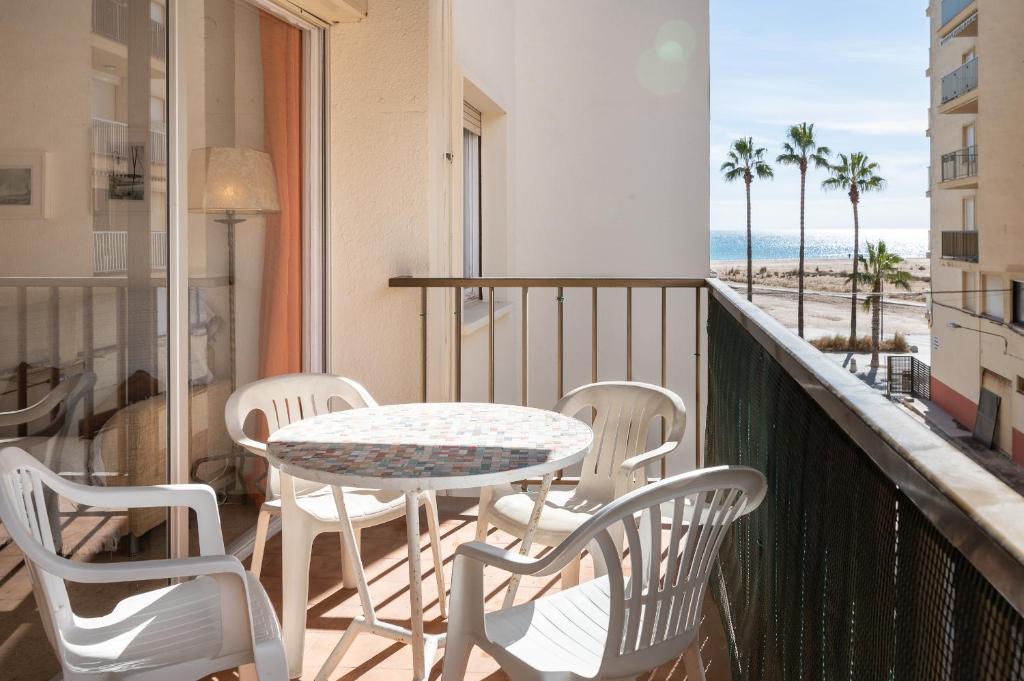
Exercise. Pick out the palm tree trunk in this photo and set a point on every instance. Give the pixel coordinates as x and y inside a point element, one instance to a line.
<point>800,271</point>
<point>750,251</point>
<point>856,256</point>
<point>876,325</point>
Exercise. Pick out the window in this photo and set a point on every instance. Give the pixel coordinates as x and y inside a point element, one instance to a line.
<point>970,288</point>
<point>993,286</point>
<point>1018,302</point>
<point>471,209</point>
<point>969,224</point>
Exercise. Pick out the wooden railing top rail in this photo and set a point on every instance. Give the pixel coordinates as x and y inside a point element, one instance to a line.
<point>548,282</point>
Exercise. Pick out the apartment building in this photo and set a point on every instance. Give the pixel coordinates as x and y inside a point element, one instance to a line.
<point>977,238</point>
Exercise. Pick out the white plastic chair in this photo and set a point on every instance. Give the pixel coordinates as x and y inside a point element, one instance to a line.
<point>283,400</point>
<point>218,619</point>
<point>617,626</point>
<point>616,464</point>
<point>56,411</point>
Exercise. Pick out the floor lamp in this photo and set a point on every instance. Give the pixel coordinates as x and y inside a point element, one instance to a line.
<point>233,182</point>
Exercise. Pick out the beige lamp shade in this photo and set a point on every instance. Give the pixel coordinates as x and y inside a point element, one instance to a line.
<point>230,179</point>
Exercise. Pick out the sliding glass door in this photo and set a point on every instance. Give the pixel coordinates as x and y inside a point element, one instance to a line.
<point>83,284</point>
<point>247,112</point>
<point>159,247</point>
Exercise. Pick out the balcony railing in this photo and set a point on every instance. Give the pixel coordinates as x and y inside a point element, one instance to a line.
<point>110,251</point>
<point>110,20</point>
<point>960,82</point>
<point>951,8</point>
<point>866,561</point>
<point>960,245</point>
<point>961,164</point>
<point>110,139</point>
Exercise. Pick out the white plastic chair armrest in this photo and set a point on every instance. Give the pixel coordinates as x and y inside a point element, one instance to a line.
<point>143,570</point>
<point>255,446</point>
<point>200,498</point>
<point>518,564</point>
<point>49,402</point>
<point>640,460</point>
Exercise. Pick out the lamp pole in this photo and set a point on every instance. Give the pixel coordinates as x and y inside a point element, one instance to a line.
<point>231,219</point>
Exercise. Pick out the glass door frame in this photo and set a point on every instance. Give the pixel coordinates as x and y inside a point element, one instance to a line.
<point>316,230</point>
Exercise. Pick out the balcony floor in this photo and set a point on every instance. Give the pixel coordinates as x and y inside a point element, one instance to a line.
<point>331,608</point>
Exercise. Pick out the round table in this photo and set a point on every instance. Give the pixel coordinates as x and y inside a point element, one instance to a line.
<point>414,448</point>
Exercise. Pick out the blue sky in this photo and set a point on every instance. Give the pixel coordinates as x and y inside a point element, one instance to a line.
<point>856,70</point>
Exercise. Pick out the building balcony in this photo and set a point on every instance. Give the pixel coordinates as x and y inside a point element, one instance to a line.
<point>955,11</point>
<point>881,552</point>
<point>960,90</point>
<point>110,20</point>
<point>960,169</point>
<point>960,245</point>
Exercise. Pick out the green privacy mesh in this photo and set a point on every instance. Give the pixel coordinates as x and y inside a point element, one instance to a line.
<point>838,575</point>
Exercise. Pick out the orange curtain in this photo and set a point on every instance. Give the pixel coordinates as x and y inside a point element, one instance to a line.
<point>280,339</point>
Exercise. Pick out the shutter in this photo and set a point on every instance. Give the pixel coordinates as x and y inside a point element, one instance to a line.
<point>471,118</point>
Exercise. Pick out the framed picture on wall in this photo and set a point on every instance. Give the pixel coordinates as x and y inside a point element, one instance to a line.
<point>23,185</point>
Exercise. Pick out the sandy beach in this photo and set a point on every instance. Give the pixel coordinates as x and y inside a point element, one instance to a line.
<point>826,301</point>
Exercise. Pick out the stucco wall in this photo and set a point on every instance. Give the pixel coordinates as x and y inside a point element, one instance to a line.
<point>379,194</point>
<point>45,52</point>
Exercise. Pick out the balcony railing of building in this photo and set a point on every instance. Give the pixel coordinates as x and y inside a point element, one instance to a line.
<point>960,245</point>
<point>960,82</point>
<point>960,164</point>
<point>110,139</point>
<point>110,251</point>
<point>951,8</point>
<point>110,20</point>
<point>868,560</point>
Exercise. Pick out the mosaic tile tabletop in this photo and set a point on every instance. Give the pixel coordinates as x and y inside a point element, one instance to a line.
<point>430,446</point>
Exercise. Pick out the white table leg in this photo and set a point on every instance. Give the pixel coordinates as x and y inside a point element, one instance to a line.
<point>368,621</point>
<point>412,520</point>
<point>294,577</point>
<point>531,527</point>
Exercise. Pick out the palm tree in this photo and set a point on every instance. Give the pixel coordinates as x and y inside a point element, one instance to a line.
<point>801,150</point>
<point>747,162</point>
<point>856,174</point>
<point>880,268</point>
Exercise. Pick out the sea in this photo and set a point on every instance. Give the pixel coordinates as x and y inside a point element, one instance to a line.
<point>820,244</point>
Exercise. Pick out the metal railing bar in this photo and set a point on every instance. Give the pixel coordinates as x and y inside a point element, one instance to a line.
<point>629,333</point>
<point>560,361</point>
<point>526,345</point>
<point>490,344</point>
<point>423,344</point>
<point>697,327</point>
<point>457,301</point>
<point>593,335</point>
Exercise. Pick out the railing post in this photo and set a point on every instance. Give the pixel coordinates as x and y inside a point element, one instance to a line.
<point>457,300</point>
<point>423,344</point>
<point>629,333</point>
<point>593,335</point>
<point>490,344</point>
<point>696,380</point>
<point>526,346</point>
<point>560,375</point>
<point>664,365</point>
<point>88,345</point>
<point>22,354</point>
<point>54,336</point>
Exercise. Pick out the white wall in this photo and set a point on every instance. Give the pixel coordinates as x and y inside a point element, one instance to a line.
<point>46,57</point>
<point>607,132</point>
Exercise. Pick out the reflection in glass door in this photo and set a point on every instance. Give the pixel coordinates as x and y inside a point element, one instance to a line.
<point>246,231</point>
<point>83,284</point>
